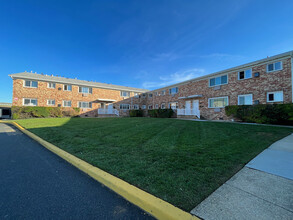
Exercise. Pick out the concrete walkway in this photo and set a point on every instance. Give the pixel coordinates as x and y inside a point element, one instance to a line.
<point>263,189</point>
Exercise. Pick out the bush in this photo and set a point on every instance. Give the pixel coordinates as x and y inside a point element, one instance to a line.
<point>136,113</point>
<point>22,112</point>
<point>263,114</point>
<point>161,113</point>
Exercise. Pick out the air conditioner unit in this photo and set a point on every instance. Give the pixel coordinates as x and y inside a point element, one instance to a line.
<point>59,88</point>
<point>84,94</point>
<point>217,87</point>
<point>256,74</point>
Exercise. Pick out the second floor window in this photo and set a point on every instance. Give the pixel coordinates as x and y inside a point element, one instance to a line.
<point>85,89</point>
<point>246,74</point>
<point>124,94</point>
<point>150,95</point>
<point>173,90</point>
<point>163,92</point>
<point>52,85</point>
<point>31,84</point>
<point>274,66</point>
<point>220,80</point>
<point>67,88</point>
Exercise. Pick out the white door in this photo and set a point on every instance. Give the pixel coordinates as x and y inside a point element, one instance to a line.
<point>110,108</point>
<point>195,107</point>
<point>187,108</point>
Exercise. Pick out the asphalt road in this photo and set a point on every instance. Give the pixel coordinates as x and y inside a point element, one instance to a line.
<point>37,184</point>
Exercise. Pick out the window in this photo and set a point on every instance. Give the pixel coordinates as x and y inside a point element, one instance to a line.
<point>150,95</point>
<point>245,99</point>
<point>51,85</point>
<point>219,102</point>
<point>156,93</point>
<point>30,102</point>
<point>246,74</point>
<point>135,106</point>
<point>275,96</point>
<point>173,105</point>
<point>163,92</point>
<point>135,94</point>
<point>143,107</point>
<point>84,104</point>
<point>66,103</point>
<point>85,90</point>
<point>156,106</point>
<point>31,84</point>
<point>143,95</point>
<point>124,106</point>
<point>219,80</point>
<point>173,90</point>
<point>50,102</point>
<point>150,107</point>
<point>67,88</point>
<point>163,106</point>
<point>274,66</point>
<point>124,94</point>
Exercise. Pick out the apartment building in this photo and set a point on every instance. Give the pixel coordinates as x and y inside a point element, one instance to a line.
<point>265,81</point>
<point>93,98</point>
<point>260,82</point>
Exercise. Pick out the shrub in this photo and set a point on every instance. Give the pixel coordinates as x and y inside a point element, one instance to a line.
<point>263,114</point>
<point>161,113</point>
<point>22,112</point>
<point>136,113</point>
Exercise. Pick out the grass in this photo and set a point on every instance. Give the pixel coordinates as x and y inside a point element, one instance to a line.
<point>180,161</point>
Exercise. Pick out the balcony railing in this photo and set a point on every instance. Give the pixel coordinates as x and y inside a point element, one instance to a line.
<point>105,111</point>
<point>184,111</point>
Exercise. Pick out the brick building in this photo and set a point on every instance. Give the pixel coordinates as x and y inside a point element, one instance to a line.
<point>264,81</point>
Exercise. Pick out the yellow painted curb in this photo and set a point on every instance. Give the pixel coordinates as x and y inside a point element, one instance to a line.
<point>149,203</point>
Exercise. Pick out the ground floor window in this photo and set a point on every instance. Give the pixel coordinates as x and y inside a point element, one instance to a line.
<point>124,106</point>
<point>135,106</point>
<point>173,105</point>
<point>30,102</point>
<point>163,106</point>
<point>219,102</point>
<point>245,99</point>
<point>50,102</point>
<point>275,96</point>
<point>156,106</point>
<point>85,105</point>
<point>143,107</point>
<point>150,107</point>
<point>66,103</point>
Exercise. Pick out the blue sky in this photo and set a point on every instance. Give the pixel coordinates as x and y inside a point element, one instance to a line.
<point>144,44</point>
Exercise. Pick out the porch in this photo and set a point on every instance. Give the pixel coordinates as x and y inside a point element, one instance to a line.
<point>191,107</point>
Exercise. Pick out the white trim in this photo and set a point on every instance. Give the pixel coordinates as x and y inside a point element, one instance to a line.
<point>66,101</point>
<point>48,83</point>
<point>244,74</point>
<point>51,100</point>
<point>226,74</point>
<point>121,92</point>
<point>30,84</point>
<point>245,95</point>
<point>30,101</point>
<point>274,66</point>
<point>268,93</point>
<point>67,87</point>
<point>124,105</point>
<point>89,103</point>
<point>137,107</point>
<point>218,98</point>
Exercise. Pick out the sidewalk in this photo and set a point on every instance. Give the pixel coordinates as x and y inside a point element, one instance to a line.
<point>263,189</point>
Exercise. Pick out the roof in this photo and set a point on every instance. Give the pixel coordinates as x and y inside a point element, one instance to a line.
<point>59,79</point>
<point>5,104</point>
<point>237,68</point>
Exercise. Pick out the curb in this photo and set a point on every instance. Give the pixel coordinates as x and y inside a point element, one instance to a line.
<point>149,203</point>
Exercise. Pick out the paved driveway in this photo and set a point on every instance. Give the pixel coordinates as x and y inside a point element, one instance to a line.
<point>36,184</point>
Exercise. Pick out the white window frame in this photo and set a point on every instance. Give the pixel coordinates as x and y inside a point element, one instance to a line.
<point>218,77</point>
<point>63,103</point>
<point>274,64</point>
<point>164,105</point>
<point>30,102</point>
<point>50,100</point>
<point>67,87</point>
<point>31,84</point>
<point>80,90</point>
<point>170,105</point>
<point>150,95</point>
<point>218,98</point>
<point>173,93</point>
<point>122,95</point>
<point>150,107</point>
<point>274,96</point>
<point>136,94</point>
<point>127,108</point>
<point>245,74</point>
<point>245,95</point>
<point>143,107</point>
<point>163,92</point>
<point>49,85</point>
<point>156,106</point>
<point>135,106</point>
<point>88,103</point>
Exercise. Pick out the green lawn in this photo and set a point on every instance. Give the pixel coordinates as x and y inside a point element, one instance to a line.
<point>180,161</point>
